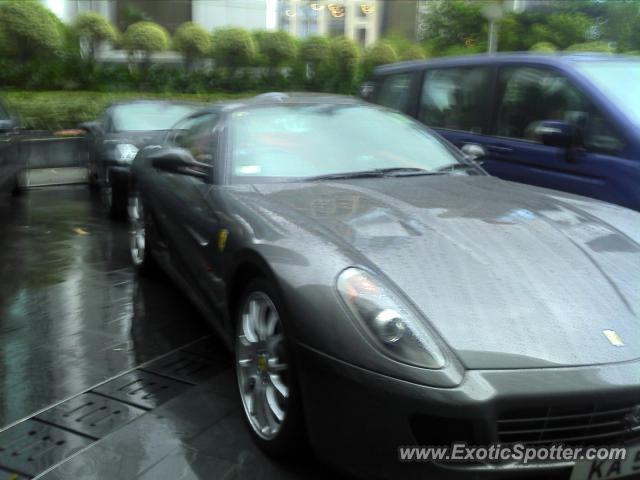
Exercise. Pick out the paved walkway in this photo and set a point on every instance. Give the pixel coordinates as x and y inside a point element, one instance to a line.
<point>103,374</point>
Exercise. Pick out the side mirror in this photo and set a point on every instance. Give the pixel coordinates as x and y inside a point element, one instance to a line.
<point>555,133</point>
<point>91,127</point>
<point>179,160</point>
<point>474,152</point>
<point>366,91</point>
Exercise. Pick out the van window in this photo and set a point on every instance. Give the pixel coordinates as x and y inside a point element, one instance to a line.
<point>394,92</point>
<point>529,95</point>
<point>619,81</point>
<point>453,98</point>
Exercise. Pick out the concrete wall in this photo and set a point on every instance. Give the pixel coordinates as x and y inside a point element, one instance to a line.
<point>52,160</point>
<point>249,14</point>
<point>45,151</point>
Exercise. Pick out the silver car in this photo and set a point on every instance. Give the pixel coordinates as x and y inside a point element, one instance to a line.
<point>379,290</point>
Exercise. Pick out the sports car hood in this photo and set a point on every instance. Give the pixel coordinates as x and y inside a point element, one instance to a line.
<point>511,276</point>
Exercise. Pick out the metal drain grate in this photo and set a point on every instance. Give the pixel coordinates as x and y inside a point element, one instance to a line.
<point>143,389</point>
<point>90,414</point>
<point>31,447</point>
<point>185,366</point>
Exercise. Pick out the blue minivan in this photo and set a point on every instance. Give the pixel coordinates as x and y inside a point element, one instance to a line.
<point>567,122</point>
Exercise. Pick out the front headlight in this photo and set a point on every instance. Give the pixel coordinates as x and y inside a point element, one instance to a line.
<point>392,325</point>
<point>125,152</point>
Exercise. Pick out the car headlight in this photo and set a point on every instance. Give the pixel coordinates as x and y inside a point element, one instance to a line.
<point>393,326</point>
<point>125,152</point>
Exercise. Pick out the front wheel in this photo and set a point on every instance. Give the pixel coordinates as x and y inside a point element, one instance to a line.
<point>17,188</point>
<point>265,373</point>
<point>117,196</point>
<point>139,237</point>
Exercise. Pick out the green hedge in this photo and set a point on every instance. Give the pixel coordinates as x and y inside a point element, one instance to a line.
<point>61,109</point>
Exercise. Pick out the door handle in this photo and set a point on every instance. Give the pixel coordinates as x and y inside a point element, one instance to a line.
<point>200,239</point>
<point>500,149</point>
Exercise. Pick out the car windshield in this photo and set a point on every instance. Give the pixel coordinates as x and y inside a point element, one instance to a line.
<point>149,116</point>
<point>619,81</point>
<point>300,141</point>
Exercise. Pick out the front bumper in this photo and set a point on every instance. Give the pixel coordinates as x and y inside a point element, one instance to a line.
<point>119,173</point>
<point>357,419</point>
<point>119,180</point>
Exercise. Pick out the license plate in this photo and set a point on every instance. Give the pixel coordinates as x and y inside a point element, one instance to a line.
<point>609,469</point>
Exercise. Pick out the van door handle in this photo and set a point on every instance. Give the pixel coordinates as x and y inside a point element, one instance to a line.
<point>500,149</point>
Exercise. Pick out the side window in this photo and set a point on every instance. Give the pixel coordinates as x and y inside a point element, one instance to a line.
<point>453,98</point>
<point>105,121</point>
<point>530,95</point>
<point>199,138</point>
<point>394,91</point>
<point>177,134</point>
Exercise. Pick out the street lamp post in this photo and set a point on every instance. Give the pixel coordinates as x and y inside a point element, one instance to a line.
<point>493,12</point>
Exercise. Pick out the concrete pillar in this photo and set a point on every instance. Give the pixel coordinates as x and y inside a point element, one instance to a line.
<point>323,19</point>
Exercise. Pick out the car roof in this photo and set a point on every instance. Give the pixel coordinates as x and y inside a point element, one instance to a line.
<point>281,98</point>
<point>161,101</point>
<point>560,58</point>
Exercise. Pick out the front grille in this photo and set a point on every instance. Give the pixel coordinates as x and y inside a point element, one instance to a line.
<point>432,430</point>
<point>591,424</point>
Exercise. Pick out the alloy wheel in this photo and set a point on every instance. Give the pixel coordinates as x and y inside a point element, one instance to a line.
<point>261,365</point>
<point>138,239</point>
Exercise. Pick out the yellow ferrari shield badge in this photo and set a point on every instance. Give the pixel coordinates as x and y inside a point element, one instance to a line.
<point>222,239</point>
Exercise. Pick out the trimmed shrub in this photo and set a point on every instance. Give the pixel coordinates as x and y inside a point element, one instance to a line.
<point>278,48</point>
<point>344,55</point>
<point>232,47</point>
<point>597,46</point>
<point>315,50</point>
<point>192,41</point>
<point>413,52</point>
<point>380,53</point>
<point>145,37</point>
<point>28,30</point>
<point>456,50</point>
<point>568,28</point>
<point>93,28</point>
<point>60,109</point>
<point>543,47</point>
<point>313,66</point>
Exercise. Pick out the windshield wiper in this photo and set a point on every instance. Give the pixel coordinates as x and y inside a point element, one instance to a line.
<point>457,166</point>
<point>406,171</point>
<point>377,172</point>
<point>345,175</point>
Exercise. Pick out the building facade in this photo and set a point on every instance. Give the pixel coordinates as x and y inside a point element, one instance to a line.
<point>211,14</point>
<point>359,20</point>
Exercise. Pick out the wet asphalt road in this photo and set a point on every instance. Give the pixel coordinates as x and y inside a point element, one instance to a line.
<point>104,374</point>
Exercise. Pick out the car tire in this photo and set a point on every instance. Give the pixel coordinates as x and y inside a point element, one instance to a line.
<point>118,189</point>
<point>266,376</point>
<point>17,189</point>
<point>92,181</point>
<point>141,238</point>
